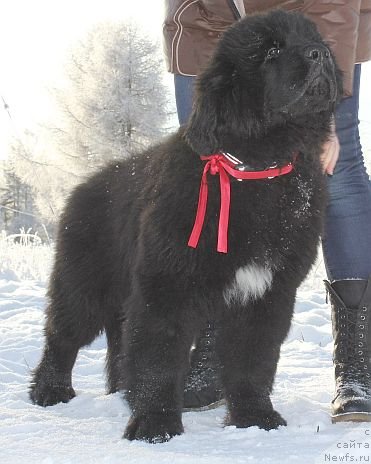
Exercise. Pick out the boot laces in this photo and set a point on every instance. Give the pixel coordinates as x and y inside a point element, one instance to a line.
<point>353,362</point>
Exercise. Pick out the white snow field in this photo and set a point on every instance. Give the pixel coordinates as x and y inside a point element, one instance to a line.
<point>89,428</point>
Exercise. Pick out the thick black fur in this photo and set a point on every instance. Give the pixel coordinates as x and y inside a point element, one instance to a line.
<point>122,262</point>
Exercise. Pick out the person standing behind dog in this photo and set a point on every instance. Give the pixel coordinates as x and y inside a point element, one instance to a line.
<point>192,29</point>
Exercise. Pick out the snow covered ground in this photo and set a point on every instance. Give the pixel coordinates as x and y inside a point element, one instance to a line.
<point>89,428</point>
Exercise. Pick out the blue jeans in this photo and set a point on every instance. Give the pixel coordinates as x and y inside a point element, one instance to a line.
<point>347,238</point>
<point>346,241</point>
<point>183,96</point>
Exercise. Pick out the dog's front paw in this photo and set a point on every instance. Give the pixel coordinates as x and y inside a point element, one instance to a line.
<point>266,420</point>
<point>154,428</point>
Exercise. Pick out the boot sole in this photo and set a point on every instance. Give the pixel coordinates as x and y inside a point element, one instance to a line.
<point>352,417</point>
<point>214,405</point>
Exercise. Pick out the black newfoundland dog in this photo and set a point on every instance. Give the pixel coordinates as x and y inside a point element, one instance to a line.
<point>148,256</point>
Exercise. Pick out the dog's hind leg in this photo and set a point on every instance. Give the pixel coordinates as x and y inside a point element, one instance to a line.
<point>249,348</point>
<point>114,338</point>
<point>68,328</point>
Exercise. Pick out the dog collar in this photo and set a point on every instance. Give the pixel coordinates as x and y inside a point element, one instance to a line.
<point>225,165</point>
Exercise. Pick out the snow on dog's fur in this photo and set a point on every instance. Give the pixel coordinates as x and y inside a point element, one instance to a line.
<point>122,261</point>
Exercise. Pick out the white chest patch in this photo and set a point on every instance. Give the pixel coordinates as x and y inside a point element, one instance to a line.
<point>250,283</point>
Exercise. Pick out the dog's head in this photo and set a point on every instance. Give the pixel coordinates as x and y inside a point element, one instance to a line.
<point>267,69</point>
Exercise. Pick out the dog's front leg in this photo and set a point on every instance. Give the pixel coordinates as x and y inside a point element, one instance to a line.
<point>249,348</point>
<point>157,342</point>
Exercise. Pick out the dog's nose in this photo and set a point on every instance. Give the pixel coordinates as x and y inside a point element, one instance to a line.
<point>317,53</point>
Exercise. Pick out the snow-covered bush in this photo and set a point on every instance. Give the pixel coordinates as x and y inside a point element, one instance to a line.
<point>23,256</point>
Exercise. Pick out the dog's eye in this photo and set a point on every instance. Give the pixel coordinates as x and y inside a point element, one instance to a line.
<point>273,52</point>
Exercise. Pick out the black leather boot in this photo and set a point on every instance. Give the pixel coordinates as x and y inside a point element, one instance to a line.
<point>351,308</point>
<point>202,389</point>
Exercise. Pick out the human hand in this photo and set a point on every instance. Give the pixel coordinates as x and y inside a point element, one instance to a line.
<point>330,152</point>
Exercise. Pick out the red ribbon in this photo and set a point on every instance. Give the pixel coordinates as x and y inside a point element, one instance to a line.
<point>219,164</point>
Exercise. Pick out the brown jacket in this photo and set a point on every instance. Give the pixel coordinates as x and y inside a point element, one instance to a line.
<point>193,27</point>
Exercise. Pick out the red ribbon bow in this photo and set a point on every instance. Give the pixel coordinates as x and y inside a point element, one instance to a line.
<point>220,164</point>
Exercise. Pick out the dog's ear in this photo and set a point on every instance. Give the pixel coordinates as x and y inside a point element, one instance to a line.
<point>225,108</point>
<point>202,130</point>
